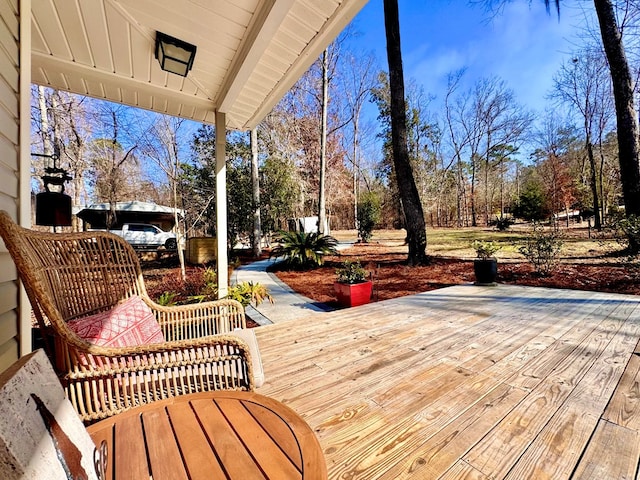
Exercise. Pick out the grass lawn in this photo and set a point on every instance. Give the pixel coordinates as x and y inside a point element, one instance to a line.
<point>585,263</point>
<point>456,242</point>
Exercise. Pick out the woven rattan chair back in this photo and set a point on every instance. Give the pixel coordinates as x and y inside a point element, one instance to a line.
<point>71,275</point>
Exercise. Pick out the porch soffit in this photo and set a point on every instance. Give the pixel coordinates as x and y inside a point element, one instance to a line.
<point>249,52</point>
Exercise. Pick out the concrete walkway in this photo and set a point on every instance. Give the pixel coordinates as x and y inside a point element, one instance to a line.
<point>287,304</point>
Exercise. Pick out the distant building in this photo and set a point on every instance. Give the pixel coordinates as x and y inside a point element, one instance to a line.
<point>306,224</point>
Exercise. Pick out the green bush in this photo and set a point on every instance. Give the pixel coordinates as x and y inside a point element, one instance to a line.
<point>542,248</point>
<point>503,223</point>
<point>202,286</point>
<point>351,272</point>
<point>172,289</point>
<point>626,231</point>
<point>208,289</point>
<point>249,293</point>
<point>368,215</point>
<point>302,250</point>
<point>485,250</point>
<point>531,203</point>
<point>167,299</point>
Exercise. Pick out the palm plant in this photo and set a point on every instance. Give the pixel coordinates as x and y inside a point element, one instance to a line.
<point>302,250</point>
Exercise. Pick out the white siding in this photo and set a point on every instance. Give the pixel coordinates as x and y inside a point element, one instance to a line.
<point>9,173</point>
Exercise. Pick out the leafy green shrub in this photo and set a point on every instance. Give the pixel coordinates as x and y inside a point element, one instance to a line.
<point>351,272</point>
<point>484,249</point>
<point>542,248</point>
<point>249,293</point>
<point>208,288</point>
<point>503,223</point>
<point>531,204</point>
<point>626,231</point>
<point>167,299</point>
<point>368,215</point>
<point>302,250</point>
<point>200,285</point>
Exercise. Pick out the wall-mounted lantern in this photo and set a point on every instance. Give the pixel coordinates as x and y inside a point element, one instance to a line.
<point>53,206</point>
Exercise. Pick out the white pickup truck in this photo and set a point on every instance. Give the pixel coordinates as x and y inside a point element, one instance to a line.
<point>143,235</point>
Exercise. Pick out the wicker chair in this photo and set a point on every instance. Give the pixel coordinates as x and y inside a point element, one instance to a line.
<point>72,275</point>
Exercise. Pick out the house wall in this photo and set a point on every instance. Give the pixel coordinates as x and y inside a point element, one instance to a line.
<point>13,82</point>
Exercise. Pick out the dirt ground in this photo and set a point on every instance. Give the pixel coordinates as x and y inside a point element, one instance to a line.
<point>393,278</point>
<point>587,266</point>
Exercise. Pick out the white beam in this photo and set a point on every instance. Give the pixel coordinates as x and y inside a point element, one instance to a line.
<point>331,29</point>
<point>221,204</point>
<point>266,23</point>
<point>73,69</point>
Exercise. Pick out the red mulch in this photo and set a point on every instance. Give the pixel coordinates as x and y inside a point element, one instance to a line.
<point>393,278</point>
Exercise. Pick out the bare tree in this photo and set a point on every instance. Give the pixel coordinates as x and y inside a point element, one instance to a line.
<point>318,153</point>
<point>488,125</point>
<point>114,166</point>
<point>584,85</point>
<point>60,121</point>
<point>358,79</point>
<point>162,145</point>
<point>459,141</point>
<point>623,92</point>
<point>627,123</point>
<point>324,106</point>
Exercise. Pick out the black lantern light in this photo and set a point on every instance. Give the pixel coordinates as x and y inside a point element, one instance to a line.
<point>53,206</point>
<point>174,55</point>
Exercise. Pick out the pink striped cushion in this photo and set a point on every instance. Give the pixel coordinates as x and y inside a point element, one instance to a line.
<point>127,324</point>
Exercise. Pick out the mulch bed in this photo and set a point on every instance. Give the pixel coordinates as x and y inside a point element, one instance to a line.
<point>393,278</point>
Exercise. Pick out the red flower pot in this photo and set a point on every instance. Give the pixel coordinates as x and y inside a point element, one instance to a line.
<point>353,294</point>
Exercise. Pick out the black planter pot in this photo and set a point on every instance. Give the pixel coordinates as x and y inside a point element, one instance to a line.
<point>486,271</point>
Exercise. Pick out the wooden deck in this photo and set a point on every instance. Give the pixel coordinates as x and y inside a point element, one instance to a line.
<point>467,383</point>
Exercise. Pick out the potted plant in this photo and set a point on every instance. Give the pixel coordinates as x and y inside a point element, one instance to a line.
<point>485,266</point>
<point>352,287</point>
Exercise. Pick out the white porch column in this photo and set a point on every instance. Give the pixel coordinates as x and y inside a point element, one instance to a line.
<point>221,204</point>
<point>24,169</point>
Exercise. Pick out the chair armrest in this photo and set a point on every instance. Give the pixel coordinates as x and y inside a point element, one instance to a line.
<point>248,336</point>
<point>103,381</point>
<point>184,322</point>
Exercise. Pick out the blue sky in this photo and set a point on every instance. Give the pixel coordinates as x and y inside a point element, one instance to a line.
<point>524,45</point>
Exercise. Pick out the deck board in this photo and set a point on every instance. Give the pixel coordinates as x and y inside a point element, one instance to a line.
<point>624,408</point>
<point>608,437</point>
<point>464,382</point>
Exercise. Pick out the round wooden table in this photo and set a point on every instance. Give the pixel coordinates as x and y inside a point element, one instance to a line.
<point>210,435</point>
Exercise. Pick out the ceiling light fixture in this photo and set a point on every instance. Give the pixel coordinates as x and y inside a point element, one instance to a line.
<point>174,55</point>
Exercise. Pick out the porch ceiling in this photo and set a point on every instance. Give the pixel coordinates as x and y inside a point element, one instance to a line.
<point>249,53</point>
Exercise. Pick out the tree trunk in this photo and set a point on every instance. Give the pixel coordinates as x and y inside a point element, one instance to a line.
<point>593,183</point>
<point>255,190</point>
<point>322,207</point>
<point>462,210</point>
<point>173,170</point>
<point>487,208</point>
<point>474,221</point>
<point>627,126</point>
<point>414,216</point>
<point>356,166</point>
<point>601,192</point>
